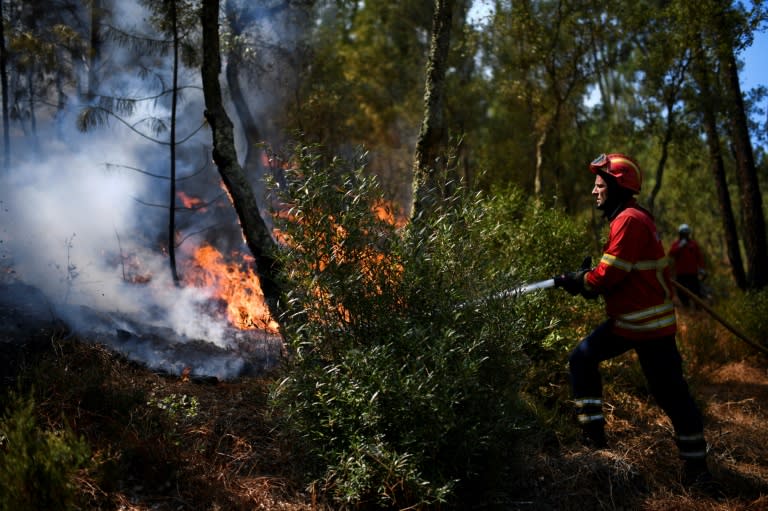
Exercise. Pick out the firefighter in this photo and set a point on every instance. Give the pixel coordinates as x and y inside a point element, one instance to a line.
<point>633,278</point>
<point>688,262</point>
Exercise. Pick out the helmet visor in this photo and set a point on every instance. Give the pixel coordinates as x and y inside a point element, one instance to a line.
<point>601,163</point>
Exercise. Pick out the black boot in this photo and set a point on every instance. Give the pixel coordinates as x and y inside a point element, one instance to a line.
<point>593,435</point>
<point>589,414</point>
<point>695,471</point>
<point>698,478</point>
<point>693,451</point>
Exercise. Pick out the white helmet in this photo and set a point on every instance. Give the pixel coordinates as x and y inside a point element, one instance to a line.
<point>684,229</point>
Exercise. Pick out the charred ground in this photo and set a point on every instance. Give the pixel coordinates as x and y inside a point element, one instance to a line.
<point>162,441</point>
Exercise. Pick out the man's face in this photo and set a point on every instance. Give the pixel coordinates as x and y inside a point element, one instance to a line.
<point>600,191</point>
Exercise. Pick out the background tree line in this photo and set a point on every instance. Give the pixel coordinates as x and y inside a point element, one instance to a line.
<point>530,91</point>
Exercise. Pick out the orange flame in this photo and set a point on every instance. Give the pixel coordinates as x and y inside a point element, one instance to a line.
<point>387,212</point>
<point>235,285</point>
<point>190,202</point>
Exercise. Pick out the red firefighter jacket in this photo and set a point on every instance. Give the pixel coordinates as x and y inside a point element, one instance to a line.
<point>633,277</point>
<point>687,256</point>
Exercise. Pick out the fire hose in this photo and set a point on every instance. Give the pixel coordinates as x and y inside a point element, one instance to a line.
<point>511,293</point>
<point>524,289</point>
<point>693,296</point>
<point>549,283</point>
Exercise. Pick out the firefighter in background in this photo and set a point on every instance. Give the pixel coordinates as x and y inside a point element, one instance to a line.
<point>634,279</point>
<point>688,262</point>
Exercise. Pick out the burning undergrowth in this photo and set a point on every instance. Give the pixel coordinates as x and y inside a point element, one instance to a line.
<point>213,335</point>
<point>86,247</point>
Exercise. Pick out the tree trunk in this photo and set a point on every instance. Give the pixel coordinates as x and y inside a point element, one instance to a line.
<point>426,160</point>
<point>755,241</point>
<point>6,99</point>
<point>670,93</point>
<point>541,140</point>
<point>95,49</point>
<point>248,123</point>
<point>707,102</point>
<point>255,231</point>
<point>174,103</point>
<point>665,141</point>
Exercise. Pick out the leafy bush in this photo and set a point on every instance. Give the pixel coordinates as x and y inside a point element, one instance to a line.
<point>37,467</point>
<point>537,243</point>
<point>748,311</point>
<point>404,381</point>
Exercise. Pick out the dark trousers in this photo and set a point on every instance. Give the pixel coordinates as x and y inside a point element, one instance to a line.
<point>691,281</point>
<point>661,364</point>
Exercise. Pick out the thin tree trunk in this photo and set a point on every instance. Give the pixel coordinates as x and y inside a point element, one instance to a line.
<point>541,140</point>
<point>755,241</point>
<point>95,49</point>
<point>707,102</point>
<point>248,123</point>
<point>6,98</point>
<point>255,231</point>
<point>665,141</point>
<point>671,95</point>
<point>174,104</point>
<point>426,160</point>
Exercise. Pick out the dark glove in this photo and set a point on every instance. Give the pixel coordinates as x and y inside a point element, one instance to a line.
<point>573,281</point>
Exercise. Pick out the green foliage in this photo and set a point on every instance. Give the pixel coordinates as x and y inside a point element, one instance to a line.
<point>404,379</point>
<point>37,466</point>
<point>179,407</point>
<point>748,311</point>
<point>178,410</point>
<point>538,243</point>
<point>135,427</point>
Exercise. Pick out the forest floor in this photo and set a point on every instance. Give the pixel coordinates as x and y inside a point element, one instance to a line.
<point>640,469</point>
<point>221,453</point>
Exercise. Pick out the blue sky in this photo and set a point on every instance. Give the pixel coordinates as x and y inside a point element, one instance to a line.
<point>755,71</point>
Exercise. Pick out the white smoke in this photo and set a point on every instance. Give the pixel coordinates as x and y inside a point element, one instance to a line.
<point>70,219</point>
<point>77,220</point>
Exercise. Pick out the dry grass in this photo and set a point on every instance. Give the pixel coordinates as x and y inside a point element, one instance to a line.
<point>227,457</point>
<point>640,469</point>
<point>223,457</point>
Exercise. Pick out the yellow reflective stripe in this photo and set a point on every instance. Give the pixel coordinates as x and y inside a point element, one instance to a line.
<point>691,438</point>
<point>612,260</point>
<point>649,325</point>
<point>663,283</point>
<point>647,313</point>
<point>652,264</point>
<point>627,162</point>
<point>588,401</point>
<point>583,418</point>
<point>658,264</point>
<point>693,454</point>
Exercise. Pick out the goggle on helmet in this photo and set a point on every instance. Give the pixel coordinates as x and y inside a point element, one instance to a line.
<point>620,166</point>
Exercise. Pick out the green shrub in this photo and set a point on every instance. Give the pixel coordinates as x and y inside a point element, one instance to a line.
<point>404,382</point>
<point>747,312</point>
<point>37,467</point>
